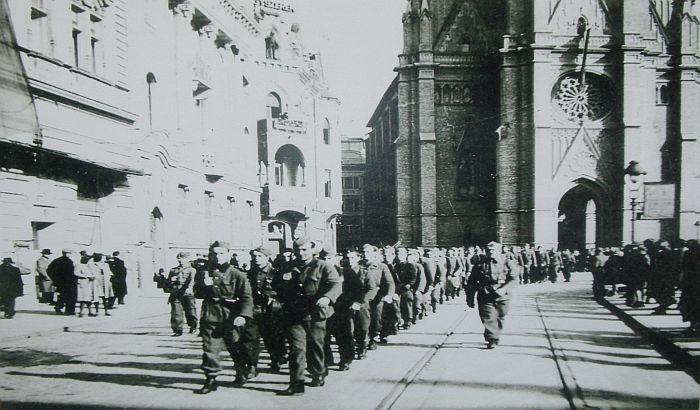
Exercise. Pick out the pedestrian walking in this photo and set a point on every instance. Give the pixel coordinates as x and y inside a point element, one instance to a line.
<point>11,286</point>
<point>226,307</point>
<point>492,280</point>
<point>44,284</point>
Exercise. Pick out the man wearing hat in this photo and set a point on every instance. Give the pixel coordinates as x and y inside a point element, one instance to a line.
<point>492,279</point>
<point>62,272</point>
<point>308,294</point>
<point>11,286</point>
<point>180,285</point>
<point>265,282</point>
<point>118,268</point>
<point>44,284</point>
<point>227,306</point>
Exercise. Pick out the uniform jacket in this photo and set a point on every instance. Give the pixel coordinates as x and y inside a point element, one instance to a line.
<point>307,285</point>
<point>229,296</point>
<point>491,274</point>
<point>421,282</point>
<point>407,273</point>
<point>386,281</point>
<point>359,285</point>
<point>528,256</point>
<point>181,281</point>
<point>265,283</point>
<point>430,269</point>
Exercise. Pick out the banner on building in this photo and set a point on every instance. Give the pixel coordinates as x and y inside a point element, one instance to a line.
<point>18,118</point>
<point>659,200</point>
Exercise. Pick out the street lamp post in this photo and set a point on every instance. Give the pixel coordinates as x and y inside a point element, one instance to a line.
<point>634,174</point>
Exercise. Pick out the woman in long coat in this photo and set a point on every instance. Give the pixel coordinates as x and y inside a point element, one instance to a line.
<point>86,281</point>
<point>102,283</point>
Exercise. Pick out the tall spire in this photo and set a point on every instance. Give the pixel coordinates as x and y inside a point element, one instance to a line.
<point>424,8</point>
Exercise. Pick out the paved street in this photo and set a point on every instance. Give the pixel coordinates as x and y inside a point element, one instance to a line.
<point>560,350</point>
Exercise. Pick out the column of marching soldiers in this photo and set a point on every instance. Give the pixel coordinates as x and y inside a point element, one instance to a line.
<point>302,299</point>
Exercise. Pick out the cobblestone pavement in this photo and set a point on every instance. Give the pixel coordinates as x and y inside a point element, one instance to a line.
<point>559,350</point>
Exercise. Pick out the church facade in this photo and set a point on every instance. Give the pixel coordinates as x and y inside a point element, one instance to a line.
<point>517,120</point>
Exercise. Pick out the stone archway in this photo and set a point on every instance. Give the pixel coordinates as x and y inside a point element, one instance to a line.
<point>581,218</point>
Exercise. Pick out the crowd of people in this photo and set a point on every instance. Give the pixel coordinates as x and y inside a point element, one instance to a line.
<point>67,282</point>
<point>300,301</point>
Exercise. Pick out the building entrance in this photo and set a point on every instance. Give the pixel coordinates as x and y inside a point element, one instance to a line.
<point>579,219</point>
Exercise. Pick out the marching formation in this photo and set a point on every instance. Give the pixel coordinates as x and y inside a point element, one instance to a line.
<point>302,301</point>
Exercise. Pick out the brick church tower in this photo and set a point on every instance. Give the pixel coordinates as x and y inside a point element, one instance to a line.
<point>517,119</point>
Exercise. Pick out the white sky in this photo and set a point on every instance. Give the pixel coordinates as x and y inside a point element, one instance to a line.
<point>359,42</point>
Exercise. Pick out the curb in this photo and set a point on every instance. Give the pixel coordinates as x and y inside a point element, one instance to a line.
<point>674,353</point>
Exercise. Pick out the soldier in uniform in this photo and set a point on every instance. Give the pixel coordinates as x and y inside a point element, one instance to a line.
<point>309,292</point>
<point>352,309</point>
<point>180,285</point>
<point>491,281</point>
<point>265,282</point>
<point>227,306</point>
<point>387,287</point>
<point>407,273</point>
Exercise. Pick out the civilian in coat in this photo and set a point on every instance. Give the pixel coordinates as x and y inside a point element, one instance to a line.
<point>45,289</point>
<point>11,286</point>
<point>62,272</point>
<point>85,284</point>
<point>118,268</point>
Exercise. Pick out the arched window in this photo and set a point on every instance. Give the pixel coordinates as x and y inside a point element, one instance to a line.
<point>289,166</point>
<point>274,105</point>
<point>326,132</point>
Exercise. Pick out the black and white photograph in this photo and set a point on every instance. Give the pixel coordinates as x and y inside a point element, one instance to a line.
<point>349,204</point>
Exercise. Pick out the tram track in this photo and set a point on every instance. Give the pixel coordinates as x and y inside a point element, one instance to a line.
<point>400,387</point>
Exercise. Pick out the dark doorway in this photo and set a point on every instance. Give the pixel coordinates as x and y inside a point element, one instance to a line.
<point>578,219</point>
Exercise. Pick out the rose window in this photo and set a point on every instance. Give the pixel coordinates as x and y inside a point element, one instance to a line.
<point>591,102</point>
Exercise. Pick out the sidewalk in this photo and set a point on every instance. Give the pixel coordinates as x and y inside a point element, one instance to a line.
<point>34,319</point>
<point>665,332</point>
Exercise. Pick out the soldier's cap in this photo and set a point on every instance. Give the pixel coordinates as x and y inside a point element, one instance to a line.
<point>7,260</point>
<point>263,250</point>
<point>493,243</point>
<point>183,255</point>
<point>287,250</point>
<point>46,251</point>
<point>221,244</point>
<point>83,252</point>
<point>303,240</point>
<point>66,250</point>
<point>96,254</point>
<point>115,253</point>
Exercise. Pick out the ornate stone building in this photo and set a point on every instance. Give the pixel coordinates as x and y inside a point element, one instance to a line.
<point>146,135</point>
<point>516,120</point>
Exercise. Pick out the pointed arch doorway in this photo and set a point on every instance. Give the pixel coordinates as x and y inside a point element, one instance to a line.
<point>581,218</point>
